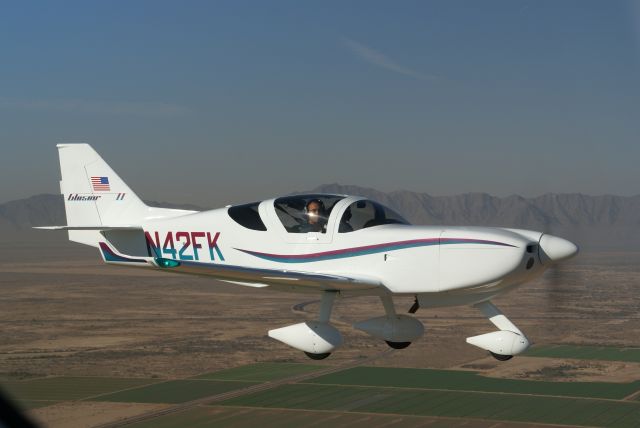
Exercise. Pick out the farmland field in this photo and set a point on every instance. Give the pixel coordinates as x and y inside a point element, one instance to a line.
<point>175,391</point>
<point>209,416</point>
<point>470,381</point>
<point>604,353</point>
<point>359,396</point>
<point>524,408</point>
<point>68,388</point>
<point>261,372</point>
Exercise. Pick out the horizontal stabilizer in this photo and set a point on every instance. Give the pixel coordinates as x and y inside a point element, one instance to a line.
<point>96,227</point>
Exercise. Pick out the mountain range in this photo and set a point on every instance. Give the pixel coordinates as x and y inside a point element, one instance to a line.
<point>602,223</point>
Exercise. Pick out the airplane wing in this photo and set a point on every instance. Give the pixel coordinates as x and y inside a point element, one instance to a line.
<point>277,277</point>
<point>96,227</point>
<point>248,276</point>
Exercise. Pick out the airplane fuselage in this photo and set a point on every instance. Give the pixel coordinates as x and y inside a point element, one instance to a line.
<point>404,259</point>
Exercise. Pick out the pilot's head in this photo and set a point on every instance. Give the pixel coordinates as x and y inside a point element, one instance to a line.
<point>315,211</point>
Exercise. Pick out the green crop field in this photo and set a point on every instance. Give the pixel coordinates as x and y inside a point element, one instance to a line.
<point>470,381</point>
<point>576,411</point>
<point>586,353</point>
<point>175,391</point>
<point>361,396</point>
<point>67,388</point>
<point>202,417</point>
<point>261,372</point>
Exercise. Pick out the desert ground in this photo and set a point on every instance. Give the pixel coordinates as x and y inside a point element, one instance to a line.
<point>65,313</point>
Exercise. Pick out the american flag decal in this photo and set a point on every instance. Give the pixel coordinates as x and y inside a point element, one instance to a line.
<point>100,184</point>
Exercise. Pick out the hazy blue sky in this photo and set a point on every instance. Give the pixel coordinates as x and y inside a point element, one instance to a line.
<point>232,101</point>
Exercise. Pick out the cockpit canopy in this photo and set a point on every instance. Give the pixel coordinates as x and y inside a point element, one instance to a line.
<point>305,213</point>
<point>311,213</point>
<point>364,213</point>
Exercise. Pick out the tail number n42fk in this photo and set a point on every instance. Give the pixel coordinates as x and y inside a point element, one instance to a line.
<point>184,245</point>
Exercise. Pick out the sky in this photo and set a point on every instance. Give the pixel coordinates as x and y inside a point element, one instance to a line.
<point>219,102</point>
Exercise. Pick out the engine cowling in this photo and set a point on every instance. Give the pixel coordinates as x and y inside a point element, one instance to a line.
<point>501,342</point>
<point>313,337</point>
<point>400,328</point>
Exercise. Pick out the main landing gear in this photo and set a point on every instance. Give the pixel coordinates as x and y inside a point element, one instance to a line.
<point>317,356</point>
<point>317,339</point>
<point>398,331</point>
<point>326,306</point>
<point>398,345</point>
<point>501,357</point>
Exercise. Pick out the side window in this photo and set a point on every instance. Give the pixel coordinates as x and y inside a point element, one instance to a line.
<point>363,214</point>
<point>247,215</point>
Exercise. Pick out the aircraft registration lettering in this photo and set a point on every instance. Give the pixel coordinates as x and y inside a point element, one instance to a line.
<point>168,247</point>
<point>195,244</point>
<point>183,245</point>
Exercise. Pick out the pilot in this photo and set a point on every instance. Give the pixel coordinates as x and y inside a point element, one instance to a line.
<point>315,215</point>
<point>345,226</point>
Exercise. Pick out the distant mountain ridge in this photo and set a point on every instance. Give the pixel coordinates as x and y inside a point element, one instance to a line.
<point>549,210</point>
<point>604,222</point>
<point>594,222</point>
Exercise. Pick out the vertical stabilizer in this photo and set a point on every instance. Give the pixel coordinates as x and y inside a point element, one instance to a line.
<point>94,194</point>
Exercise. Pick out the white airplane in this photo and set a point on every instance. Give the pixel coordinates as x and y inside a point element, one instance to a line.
<point>331,245</point>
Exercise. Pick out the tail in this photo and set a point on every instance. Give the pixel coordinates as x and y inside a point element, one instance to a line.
<point>96,199</point>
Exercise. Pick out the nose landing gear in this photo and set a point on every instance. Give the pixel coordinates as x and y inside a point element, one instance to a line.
<point>504,343</point>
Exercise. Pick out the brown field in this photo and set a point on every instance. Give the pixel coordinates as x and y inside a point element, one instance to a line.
<point>65,313</point>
